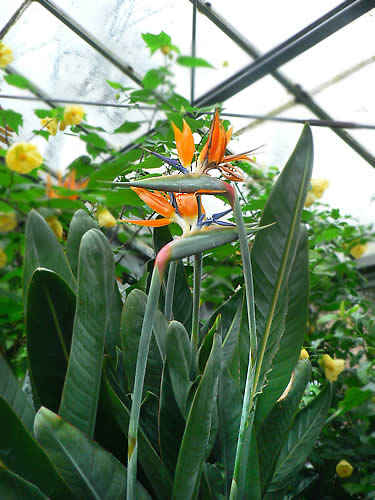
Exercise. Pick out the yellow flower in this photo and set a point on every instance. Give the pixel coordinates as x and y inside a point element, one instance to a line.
<point>332,367</point>
<point>73,115</point>
<point>55,225</point>
<point>6,55</point>
<point>23,157</point>
<point>8,221</point>
<point>3,258</point>
<point>105,218</point>
<point>304,354</point>
<point>358,250</point>
<point>344,469</point>
<point>50,124</point>
<point>318,186</point>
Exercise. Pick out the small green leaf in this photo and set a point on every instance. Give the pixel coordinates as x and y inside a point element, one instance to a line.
<point>152,79</point>
<point>94,140</point>
<point>155,42</point>
<point>127,127</point>
<point>10,118</point>
<point>193,62</point>
<point>18,81</point>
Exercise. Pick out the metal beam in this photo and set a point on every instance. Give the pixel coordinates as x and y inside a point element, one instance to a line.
<point>21,9</point>
<point>302,41</point>
<point>296,90</point>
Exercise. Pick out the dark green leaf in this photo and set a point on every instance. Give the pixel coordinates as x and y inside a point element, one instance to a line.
<point>194,448</point>
<point>273,433</point>
<point>50,308</point>
<point>43,250</point>
<point>23,455</point>
<point>95,285</point>
<point>81,223</point>
<point>300,440</point>
<point>11,391</point>
<point>90,471</point>
<point>13,487</point>
<point>193,62</point>
<point>131,326</point>
<point>295,328</point>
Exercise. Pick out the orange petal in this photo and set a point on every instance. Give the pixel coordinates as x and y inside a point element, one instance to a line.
<point>229,134</point>
<point>242,156</point>
<point>187,204</point>
<point>155,200</point>
<point>184,143</point>
<point>151,222</point>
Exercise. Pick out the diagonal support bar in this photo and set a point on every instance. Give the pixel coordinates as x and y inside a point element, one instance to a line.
<point>300,95</point>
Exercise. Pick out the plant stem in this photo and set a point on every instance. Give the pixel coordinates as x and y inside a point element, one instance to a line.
<point>144,344</point>
<point>246,415</point>
<point>196,297</point>
<point>170,290</point>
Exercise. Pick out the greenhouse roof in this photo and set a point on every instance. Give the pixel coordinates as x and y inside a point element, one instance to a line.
<point>275,66</point>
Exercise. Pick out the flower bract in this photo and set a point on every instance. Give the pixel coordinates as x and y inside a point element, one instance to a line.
<point>23,157</point>
<point>68,182</point>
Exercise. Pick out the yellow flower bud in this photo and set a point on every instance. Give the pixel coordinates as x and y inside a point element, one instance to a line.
<point>73,115</point>
<point>318,186</point>
<point>62,125</point>
<point>3,258</point>
<point>55,225</point>
<point>344,469</point>
<point>304,354</point>
<point>310,198</point>
<point>105,218</point>
<point>6,55</point>
<point>358,250</point>
<point>50,124</point>
<point>8,221</point>
<point>332,367</point>
<point>165,49</point>
<point>23,157</point>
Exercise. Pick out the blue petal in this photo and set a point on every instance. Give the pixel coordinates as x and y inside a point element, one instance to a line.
<point>173,163</point>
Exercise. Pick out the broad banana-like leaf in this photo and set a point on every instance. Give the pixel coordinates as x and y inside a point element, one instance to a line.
<point>274,431</point>
<point>23,455</point>
<point>295,328</point>
<point>182,301</point>
<point>96,279</point>
<point>79,225</point>
<point>89,470</point>
<point>11,391</point>
<point>212,483</point>
<point>50,308</point>
<point>300,440</point>
<point>149,459</point>
<point>194,449</point>
<point>274,249</point>
<point>131,326</point>
<point>42,249</point>
<point>179,362</point>
<point>14,487</point>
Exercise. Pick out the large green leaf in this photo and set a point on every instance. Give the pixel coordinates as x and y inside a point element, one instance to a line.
<point>273,433</point>
<point>131,326</point>
<point>23,455</point>
<point>14,487</point>
<point>182,301</point>
<point>292,339</point>
<point>42,249</point>
<point>11,391</point>
<point>50,308</point>
<point>96,280</point>
<point>194,447</point>
<point>229,408</point>
<point>274,249</point>
<point>179,362</point>
<point>81,223</point>
<point>300,440</point>
<point>90,471</point>
<point>149,459</point>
